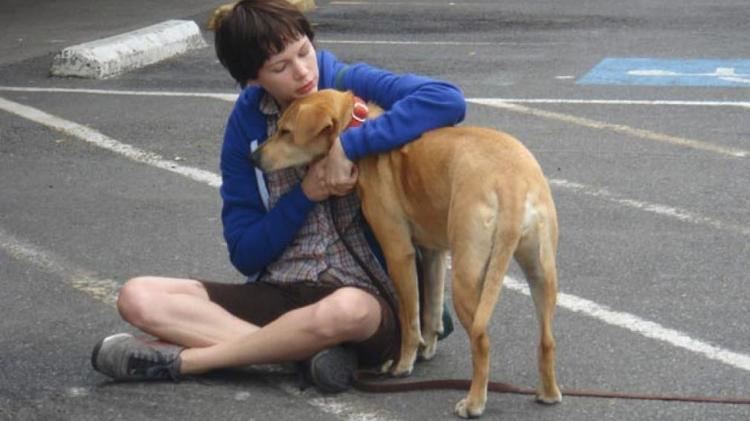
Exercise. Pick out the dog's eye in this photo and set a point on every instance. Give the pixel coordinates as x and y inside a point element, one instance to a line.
<point>284,132</point>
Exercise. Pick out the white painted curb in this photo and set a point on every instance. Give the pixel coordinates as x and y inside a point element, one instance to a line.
<point>111,56</point>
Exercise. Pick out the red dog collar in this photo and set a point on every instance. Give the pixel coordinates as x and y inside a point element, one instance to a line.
<point>359,113</point>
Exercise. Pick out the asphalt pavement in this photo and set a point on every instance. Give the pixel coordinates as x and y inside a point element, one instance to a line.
<point>103,180</point>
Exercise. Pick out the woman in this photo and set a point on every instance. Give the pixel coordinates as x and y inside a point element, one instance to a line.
<point>307,297</point>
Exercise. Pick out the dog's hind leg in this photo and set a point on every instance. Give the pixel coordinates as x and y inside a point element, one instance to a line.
<point>433,264</point>
<point>536,256</point>
<point>482,250</point>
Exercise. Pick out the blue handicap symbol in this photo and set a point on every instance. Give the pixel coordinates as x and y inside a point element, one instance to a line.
<point>669,72</point>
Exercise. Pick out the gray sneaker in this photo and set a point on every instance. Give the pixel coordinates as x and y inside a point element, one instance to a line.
<point>125,357</point>
<point>332,370</point>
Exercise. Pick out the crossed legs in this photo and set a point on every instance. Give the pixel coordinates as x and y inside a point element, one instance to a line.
<point>180,311</point>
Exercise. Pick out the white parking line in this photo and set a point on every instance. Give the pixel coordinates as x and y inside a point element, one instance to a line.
<point>619,128</point>
<point>104,290</point>
<point>231,97</point>
<point>569,101</point>
<point>641,326</point>
<point>105,142</point>
<point>395,42</point>
<point>507,104</point>
<point>224,97</point>
<point>624,320</point>
<point>662,210</point>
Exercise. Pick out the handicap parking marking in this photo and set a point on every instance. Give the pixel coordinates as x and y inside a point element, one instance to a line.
<point>669,72</point>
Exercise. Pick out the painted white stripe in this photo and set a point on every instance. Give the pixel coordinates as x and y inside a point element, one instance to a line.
<point>231,97</point>
<point>104,290</point>
<point>641,326</point>
<point>624,320</point>
<point>94,137</point>
<point>222,96</point>
<point>662,210</point>
<point>568,101</point>
<point>397,42</point>
<point>620,128</point>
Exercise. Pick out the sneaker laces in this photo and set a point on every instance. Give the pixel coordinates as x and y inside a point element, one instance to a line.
<point>151,363</point>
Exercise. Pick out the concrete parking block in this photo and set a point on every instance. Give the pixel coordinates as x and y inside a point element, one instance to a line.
<point>114,55</point>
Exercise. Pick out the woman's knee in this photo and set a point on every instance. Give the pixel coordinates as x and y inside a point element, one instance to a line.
<point>135,299</point>
<point>349,314</point>
<point>141,300</point>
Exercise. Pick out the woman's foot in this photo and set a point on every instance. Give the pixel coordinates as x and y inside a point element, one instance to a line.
<point>125,357</point>
<point>331,370</point>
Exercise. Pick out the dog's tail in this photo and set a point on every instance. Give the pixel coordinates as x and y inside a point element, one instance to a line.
<point>505,239</point>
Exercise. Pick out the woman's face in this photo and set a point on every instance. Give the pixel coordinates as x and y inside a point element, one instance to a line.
<point>290,74</point>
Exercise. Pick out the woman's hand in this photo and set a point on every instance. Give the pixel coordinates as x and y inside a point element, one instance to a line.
<point>314,184</point>
<point>341,173</point>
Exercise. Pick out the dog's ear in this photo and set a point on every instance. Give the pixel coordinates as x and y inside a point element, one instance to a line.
<point>343,108</point>
<point>314,121</point>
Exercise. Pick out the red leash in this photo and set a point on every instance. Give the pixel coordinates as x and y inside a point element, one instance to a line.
<point>368,382</point>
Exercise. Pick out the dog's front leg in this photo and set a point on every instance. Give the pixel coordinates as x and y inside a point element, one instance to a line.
<point>400,256</point>
<point>391,228</point>
<point>401,260</point>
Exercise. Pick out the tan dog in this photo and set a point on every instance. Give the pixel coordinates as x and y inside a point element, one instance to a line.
<point>475,192</point>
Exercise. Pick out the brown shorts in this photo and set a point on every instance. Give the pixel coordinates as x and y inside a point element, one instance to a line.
<point>261,303</point>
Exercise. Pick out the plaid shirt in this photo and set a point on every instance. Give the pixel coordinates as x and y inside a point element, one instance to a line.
<point>317,253</point>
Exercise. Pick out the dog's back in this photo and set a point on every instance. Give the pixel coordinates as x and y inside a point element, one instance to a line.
<point>451,165</point>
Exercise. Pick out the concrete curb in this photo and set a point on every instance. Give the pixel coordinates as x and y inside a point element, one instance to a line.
<point>111,56</point>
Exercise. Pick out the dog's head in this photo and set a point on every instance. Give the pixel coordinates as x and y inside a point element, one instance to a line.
<point>306,130</point>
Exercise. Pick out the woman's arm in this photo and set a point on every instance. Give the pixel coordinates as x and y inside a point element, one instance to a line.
<point>413,105</point>
<point>254,236</point>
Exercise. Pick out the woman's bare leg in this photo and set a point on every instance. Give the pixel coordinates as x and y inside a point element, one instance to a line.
<point>178,311</point>
<point>347,315</point>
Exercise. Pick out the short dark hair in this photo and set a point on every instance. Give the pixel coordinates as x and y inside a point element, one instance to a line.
<point>250,32</point>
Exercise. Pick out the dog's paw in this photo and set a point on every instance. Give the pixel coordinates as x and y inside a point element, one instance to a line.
<point>402,371</point>
<point>386,367</point>
<point>404,367</point>
<point>428,349</point>
<point>467,409</point>
<point>551,398</point>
